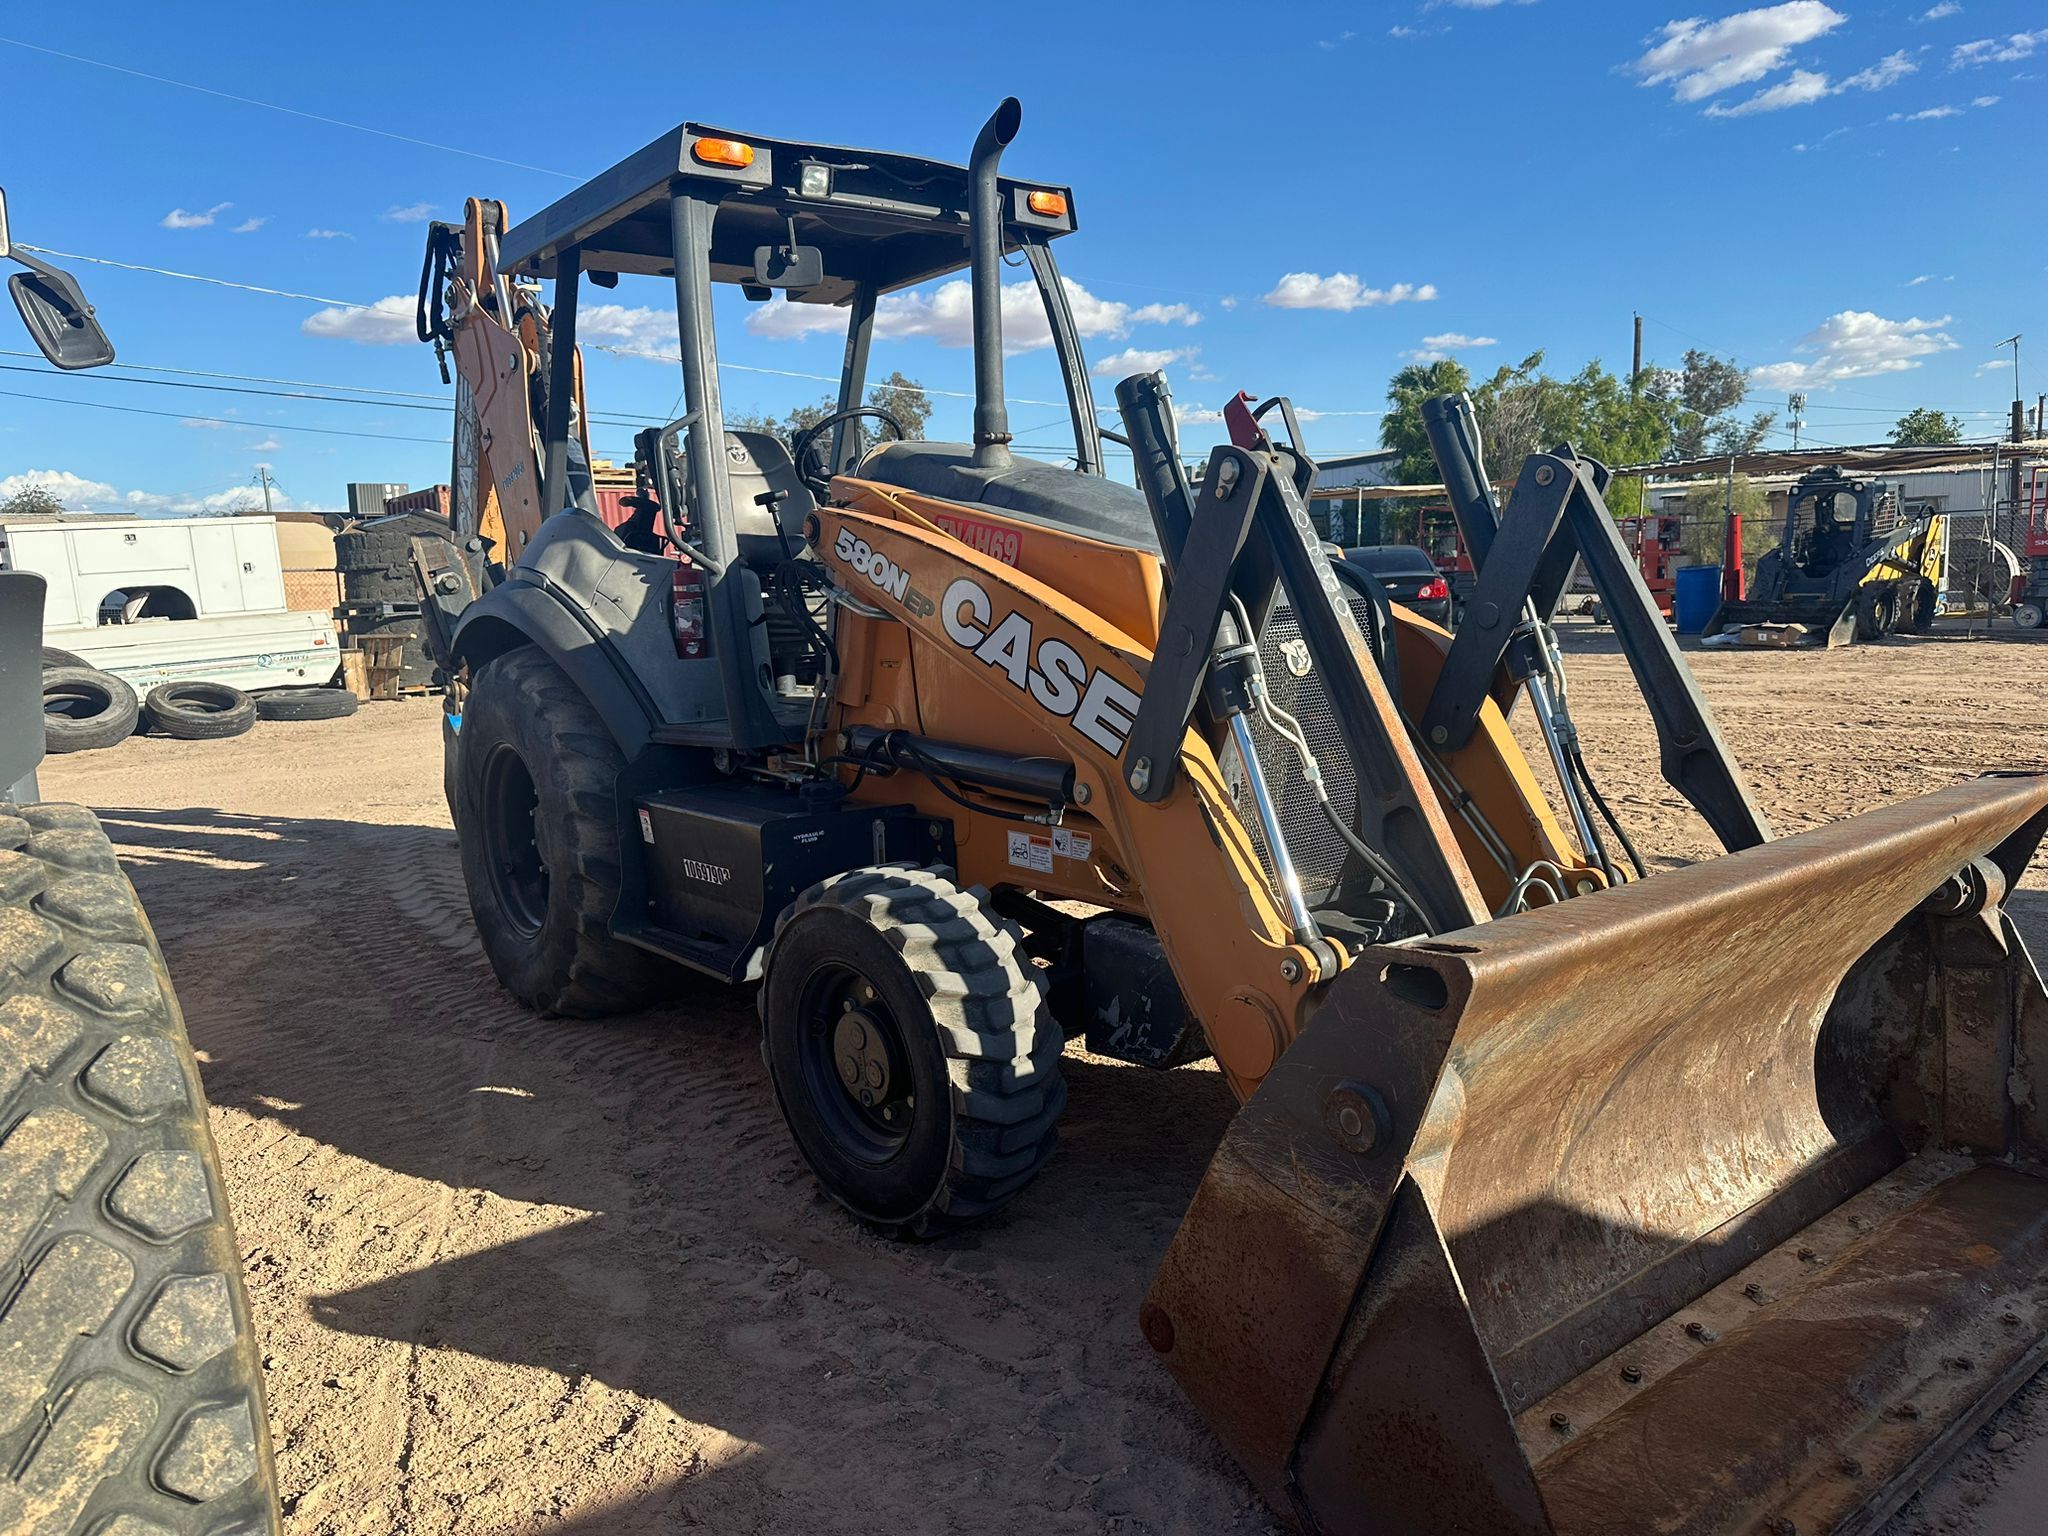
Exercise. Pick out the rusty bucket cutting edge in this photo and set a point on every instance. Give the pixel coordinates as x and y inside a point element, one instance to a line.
<point>1714,1203</point>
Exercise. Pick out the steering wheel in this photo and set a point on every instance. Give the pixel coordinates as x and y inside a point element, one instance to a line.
<point>805,447</point>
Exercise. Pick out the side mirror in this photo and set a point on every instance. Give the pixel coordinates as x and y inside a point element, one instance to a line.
<point>788,266</point>
<point>53,308</point>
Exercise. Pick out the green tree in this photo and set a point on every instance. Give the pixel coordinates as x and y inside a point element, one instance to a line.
<point>1523,410</point>
<point>901,397</point>
<point>906,400</point>
<point>1704,514</point>
<point>1702,398</point>
<point>1401,428</point>
<point>1925,425</point>
<point>32,501</point>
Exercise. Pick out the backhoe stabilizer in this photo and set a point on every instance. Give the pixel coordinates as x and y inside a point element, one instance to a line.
<point>1717,1202</point>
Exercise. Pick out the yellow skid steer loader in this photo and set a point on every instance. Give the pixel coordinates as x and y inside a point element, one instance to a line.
<point>1562,1200</point>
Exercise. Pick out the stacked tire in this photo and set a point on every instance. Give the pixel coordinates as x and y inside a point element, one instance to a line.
<point>380,595</point>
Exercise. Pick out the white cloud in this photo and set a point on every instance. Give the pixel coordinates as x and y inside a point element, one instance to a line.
<point>316,233</point>
<point>1995,365</point>
<point>1700,58</point>
<point>1803,86</point>
<point>1165,314</point>
<point>203,424</point>
<point>946,315</point>
<point>1228,301</point>
<point>1940,12</point>
<point>1925,115</point>
<point>79,494</point>
<point>178,218</point>
<point>1856,344</point>
<point>1341,291</point>
<point>1435,349</point>
<point>1889,70</point>
<point>268,445</point>
<point>407,213</point>
<point>1984,101</point>
<point>1924,277</point>
<point>629,325</point>
<point>1121,365</point>
<point>1998,50</point>
<point>385,323</point>
<point>1795,90</point>
<point>250,226</point>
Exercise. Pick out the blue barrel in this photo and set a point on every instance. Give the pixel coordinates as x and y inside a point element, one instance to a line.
<point>1695,596</point>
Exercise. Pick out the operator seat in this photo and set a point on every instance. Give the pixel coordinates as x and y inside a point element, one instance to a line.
<point>758,465</point>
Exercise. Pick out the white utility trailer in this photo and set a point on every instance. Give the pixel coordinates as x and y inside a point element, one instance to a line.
<point>159,600</point>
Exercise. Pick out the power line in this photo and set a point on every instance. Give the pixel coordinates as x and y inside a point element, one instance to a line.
<point>256,378</point>
<point>223,421</point>
<point>271,106</point>
<point>193,277</point>
<point>610,419</point>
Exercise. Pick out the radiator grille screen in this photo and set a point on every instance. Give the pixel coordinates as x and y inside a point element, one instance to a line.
<point>1322,859</point>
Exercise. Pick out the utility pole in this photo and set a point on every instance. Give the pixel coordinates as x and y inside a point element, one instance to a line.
<point>1796,405</point>
<point>1635,372</point>
<point>2018,434</point>
<point>263,479</point>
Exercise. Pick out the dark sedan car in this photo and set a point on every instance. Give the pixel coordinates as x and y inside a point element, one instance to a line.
<point>1406,575</point>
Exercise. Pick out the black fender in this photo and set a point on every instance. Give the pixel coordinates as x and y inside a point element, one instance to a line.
<point>521,612</point>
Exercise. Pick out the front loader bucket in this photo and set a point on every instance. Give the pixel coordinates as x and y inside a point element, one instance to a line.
<point>1714,1203</point>
<point>1829,622</point>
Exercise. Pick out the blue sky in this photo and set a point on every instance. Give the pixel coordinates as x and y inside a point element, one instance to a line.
<point>1294,200</point>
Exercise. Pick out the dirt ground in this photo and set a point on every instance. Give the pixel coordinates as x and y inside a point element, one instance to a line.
<point>515,1275</point>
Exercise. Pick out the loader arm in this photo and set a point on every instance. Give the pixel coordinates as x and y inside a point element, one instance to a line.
<point>1034,650</point>
<point>1044,649</point>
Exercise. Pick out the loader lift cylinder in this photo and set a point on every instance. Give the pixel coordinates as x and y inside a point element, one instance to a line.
<point>1453,431</point>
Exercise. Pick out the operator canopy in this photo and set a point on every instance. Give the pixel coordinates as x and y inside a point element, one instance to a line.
<point>876,217</point>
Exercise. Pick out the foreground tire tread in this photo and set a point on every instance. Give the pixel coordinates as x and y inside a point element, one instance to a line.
<point>130,1389</point>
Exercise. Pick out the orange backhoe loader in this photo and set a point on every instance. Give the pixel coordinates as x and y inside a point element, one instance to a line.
<point>1561,1199</point>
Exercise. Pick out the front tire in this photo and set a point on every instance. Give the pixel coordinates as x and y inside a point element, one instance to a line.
<point>911,1049</point>
<point>539,829</point>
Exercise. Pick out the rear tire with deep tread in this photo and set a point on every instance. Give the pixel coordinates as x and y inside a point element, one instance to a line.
<point>983,1049</point>
<point>131,1385</point>
<point>528,732</point>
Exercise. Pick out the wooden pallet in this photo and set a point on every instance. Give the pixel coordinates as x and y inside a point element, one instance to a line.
<point>383,661</point>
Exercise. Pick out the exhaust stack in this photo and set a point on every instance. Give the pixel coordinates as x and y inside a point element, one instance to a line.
<point>985,231</point>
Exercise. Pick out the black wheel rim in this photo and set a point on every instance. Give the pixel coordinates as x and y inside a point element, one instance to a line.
<point>519,875</point>
<point>855,1065</point>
